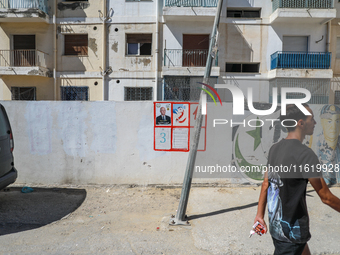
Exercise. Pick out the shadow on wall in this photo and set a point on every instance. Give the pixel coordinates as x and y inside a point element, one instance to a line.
<point>28,88</point>
<point>72,9</point>
<point>240,50</point>
<point>25,211</point>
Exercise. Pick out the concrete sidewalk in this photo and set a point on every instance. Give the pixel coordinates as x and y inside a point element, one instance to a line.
<point>134,220</point>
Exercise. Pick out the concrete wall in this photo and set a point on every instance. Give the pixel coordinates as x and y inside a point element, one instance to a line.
<point>89,142</point>
<point>113,143</point>
<point>88,9</point>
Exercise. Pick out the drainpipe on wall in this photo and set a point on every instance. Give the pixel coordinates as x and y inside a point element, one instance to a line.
<point>328,36</point>
<point>156,50</point>
<point>55,50</point>
<point>104,47</point>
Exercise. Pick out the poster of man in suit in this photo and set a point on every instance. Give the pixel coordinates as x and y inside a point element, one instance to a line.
<point>164,111</point>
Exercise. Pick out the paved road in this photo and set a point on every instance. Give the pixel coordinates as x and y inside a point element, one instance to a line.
<point>134,220</point>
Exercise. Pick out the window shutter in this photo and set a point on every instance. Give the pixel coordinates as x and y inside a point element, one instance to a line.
<point>76,45</point>
<point>139,38</point>
<point>295,43</point>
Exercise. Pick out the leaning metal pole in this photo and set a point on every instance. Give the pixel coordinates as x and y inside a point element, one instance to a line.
<point>179,219</point>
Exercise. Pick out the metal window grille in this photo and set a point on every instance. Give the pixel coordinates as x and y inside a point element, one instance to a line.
<point>191,3</point>
<point>23,93</point>
<point>179,88</point>
<point>308,4</point>
<point>138,93</point>
<point>337,97</point>
<point>72,93</point>
<point>319,89</point>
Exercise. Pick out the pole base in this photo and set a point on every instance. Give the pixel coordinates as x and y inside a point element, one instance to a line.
<point>177,222</point>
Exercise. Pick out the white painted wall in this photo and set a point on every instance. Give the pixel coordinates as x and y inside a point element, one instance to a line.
<point>126,12</point>
<point>173,32</point>
<point>112,143</point>
<point>92,142</point>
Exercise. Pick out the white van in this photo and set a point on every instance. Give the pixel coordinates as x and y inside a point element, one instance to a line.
<point>8,174</point>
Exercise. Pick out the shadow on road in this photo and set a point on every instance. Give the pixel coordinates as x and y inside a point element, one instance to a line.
<point>192,217</point>
<point>24,211</point>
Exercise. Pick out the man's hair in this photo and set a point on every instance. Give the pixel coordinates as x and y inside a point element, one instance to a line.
<point>292,113</point>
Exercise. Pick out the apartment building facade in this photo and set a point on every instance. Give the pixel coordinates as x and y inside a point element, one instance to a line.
<point>129,50</point>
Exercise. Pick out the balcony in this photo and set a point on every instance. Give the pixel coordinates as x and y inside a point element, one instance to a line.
<point>302,11</point>
<point>187,62</point>
<point>200,10</point>
<point>301,64</point>
<point>23,62</point>
<point>24,11</point>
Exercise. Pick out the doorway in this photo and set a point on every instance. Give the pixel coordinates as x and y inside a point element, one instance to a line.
<point>24,50</point>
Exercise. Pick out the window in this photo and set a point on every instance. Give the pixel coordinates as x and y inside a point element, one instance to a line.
<point>242,67</point>
<point>72,93</point>
<point>76,45</point>
<point>138,0</point>
<point>138,94</point>
<point>234,13</point>
<point>75,0</point>
<point>337,97</point>
<point>23,93</point>
<point>139,44</point>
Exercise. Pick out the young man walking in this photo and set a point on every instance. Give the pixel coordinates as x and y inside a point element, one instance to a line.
<point>290,166</point>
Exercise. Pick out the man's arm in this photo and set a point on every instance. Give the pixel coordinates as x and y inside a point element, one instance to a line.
<point>261,207</point>
<point>324,193</point>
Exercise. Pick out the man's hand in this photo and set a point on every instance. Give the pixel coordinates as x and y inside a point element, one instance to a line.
<point>261,220</point>
<point>261,207</point>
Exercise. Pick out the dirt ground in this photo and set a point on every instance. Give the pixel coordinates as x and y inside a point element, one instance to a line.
<point>134,220</point>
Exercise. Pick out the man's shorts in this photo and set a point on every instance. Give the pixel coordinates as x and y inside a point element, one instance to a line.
<point>284,248</point>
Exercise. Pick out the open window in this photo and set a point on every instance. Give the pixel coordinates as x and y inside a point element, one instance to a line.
<point>243,13</point>
<point>139,44</point>
<point>242,67</point>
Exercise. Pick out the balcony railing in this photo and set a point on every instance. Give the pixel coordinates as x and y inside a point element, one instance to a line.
<point>187,58</point>
<point>301,60</point>
<point>24,4</point>
<point>308,4</point>
<point>191,3</point>
<point>23,58</point>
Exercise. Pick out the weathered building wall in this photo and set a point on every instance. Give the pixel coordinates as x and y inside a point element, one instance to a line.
<point>80,9</point>
<point>43,85</point>
<point>28,78</point>
<point>85,70</point>
<point>130,70</point>
<point>95,86</point>
<point>73,63</point>
<point>43,36</point>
